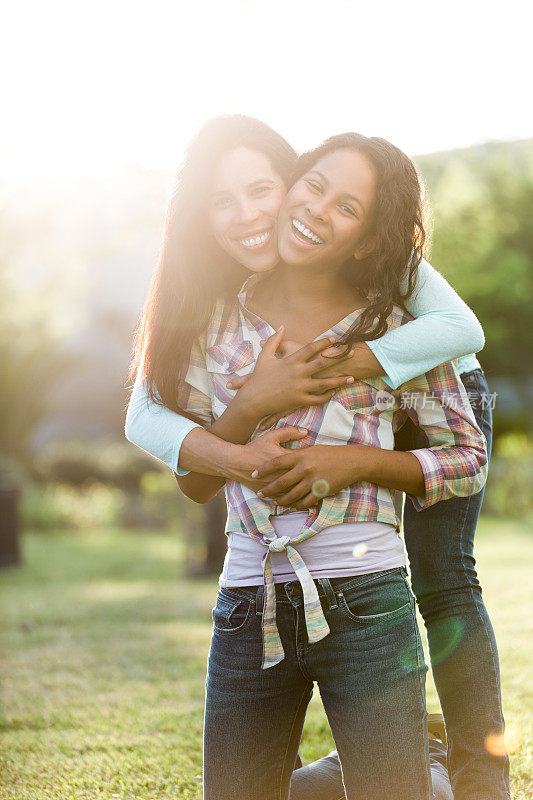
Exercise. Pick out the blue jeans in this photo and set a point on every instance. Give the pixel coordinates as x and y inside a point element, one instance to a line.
<point>463,652</point>
<point>370,671</point>
<point>322,779</point>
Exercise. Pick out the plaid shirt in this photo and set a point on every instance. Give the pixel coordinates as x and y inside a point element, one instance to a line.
<point>365,412</point>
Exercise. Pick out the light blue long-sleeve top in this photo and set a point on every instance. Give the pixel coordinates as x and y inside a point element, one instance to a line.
<point>444,328</point>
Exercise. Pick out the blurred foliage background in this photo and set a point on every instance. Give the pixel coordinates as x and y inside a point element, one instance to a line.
<point>75,261</point>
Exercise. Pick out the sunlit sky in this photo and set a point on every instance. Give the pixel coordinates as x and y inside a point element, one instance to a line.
<point>88,88</point>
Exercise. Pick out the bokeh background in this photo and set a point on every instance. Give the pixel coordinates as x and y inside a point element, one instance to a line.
<point>99,101</point>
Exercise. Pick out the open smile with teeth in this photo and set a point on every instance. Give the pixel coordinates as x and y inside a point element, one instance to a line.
<point>255,241</point>
<point>305,232</point>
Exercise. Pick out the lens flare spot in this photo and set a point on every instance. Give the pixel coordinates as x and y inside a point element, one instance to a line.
<point>360,550</point>
<point>320,488</point>
<point>446,639</point>
<point>494,744</point>
<point>503,744</point>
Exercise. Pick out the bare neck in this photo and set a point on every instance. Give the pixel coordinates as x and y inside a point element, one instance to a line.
<point>301,290</point>
<point>307,303</point>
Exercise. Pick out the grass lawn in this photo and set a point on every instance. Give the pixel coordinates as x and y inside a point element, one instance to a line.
<point>104,647</point>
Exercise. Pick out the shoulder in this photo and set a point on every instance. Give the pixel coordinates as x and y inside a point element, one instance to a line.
<point>398,317</point>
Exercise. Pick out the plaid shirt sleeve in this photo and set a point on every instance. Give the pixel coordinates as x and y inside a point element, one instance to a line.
<point>455,462</point>
<point>194,394</point>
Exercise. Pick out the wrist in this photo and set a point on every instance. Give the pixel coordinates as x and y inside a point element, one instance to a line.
<point>359,462</point>
<point>249,405</point>
<point>363,363</point>
<point>233,462</point>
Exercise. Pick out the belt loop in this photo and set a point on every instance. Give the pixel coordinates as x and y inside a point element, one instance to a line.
<point>259,600</point>
<point>328,591</point>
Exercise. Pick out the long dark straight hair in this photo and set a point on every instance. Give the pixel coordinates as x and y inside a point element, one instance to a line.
<point>192,271</point>
<point>398,230</point>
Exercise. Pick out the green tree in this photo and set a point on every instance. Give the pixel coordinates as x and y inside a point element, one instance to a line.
<point>32,362</point>
<point>483,243</point>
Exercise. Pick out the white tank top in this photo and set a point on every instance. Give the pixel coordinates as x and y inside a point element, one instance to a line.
<point>340,550</point>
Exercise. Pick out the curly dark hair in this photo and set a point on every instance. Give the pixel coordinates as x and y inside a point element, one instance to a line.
<point>397,230</point>
<point>192,270</point>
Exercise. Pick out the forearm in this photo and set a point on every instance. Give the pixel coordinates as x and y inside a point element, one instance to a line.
<point>209,460</point>
<point>444,328</point>
<point>215,455</point>
<point>154,428</point>
<point>389,468</point>
<point>238,422</point>
<point>203,452</point>
<point>419,346</point>
<point>290,480</point>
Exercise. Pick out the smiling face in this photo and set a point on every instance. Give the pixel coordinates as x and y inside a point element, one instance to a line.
<point>243,208</point>
<point>325,217</point>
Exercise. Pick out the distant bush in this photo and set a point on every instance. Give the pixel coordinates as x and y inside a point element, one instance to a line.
<point>54,507</point>
<point>79,484</point>
<point>160,491</point>
<point>128,497</point>
<point>78,463</point>
<point>509,491</point>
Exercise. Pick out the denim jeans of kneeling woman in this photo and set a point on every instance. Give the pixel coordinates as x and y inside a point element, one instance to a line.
<point>370,672</point>
<point>463,651</point>
<point>322,779</point>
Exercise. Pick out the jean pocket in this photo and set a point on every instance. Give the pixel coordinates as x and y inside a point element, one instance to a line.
<point>385,598</point>
<point>231,612</point>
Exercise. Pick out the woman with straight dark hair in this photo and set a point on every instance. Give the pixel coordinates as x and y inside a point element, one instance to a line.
<point>160,431</point>
<point>193,271</point>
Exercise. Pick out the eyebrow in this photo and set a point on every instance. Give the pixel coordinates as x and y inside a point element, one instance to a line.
<point>257,182</point>
<point>349,196</point>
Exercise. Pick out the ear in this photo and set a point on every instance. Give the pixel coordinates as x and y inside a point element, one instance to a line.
<point>365,249</point>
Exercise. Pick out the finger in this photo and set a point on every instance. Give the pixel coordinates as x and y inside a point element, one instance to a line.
<point>272,419</point>
<point>306,502</point>
<point>319,399</point>
<point>340,350</point>
<point>288,499</point>
<point>281,485</point>
<point>333,362</point>
<point>278,464</point>
<point>311,349</point>
<point>322,385</point>
<point>288,433</point>
<point>272,343</point>
<point>237,383</point>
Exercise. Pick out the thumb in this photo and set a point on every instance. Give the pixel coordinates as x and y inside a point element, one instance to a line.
<point>288,434</point>
<point>237,383</point>
<point>272,343</point>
